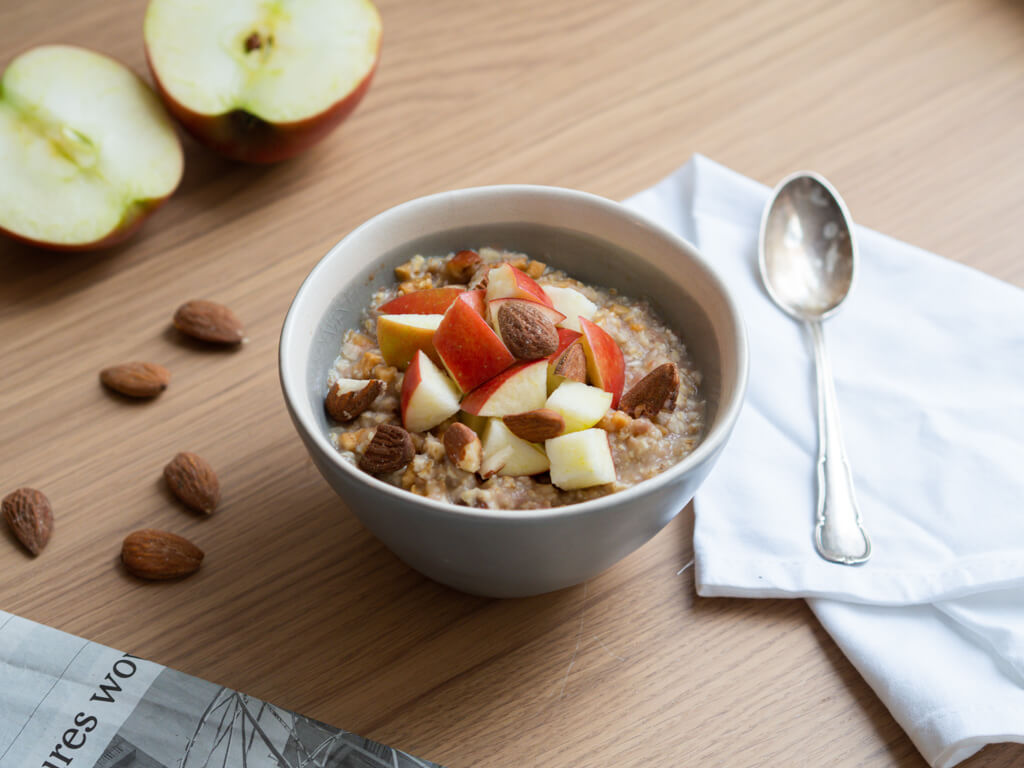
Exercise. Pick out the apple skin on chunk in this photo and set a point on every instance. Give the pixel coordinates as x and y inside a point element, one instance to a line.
<point>432,301</point>
<point>507,282</point>
<point>565,338</point>
<point>400,336</point>
<point>428,396</point>
<point>262,81</point>
<point>506,455</point>
<point>523,387</point>
<point>468,348</point>
<point>580,459</point>
<point>606,366</point>
<point>476,299</point>
<point>87,151</point>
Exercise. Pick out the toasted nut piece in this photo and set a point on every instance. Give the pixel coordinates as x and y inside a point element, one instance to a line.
<point>30,517</point>
<point>526,331</point>
<point>463,447</point>
<point>649,395</point>
<point>367,363</point>
<point>535,426</point>
<point>390,449</point>
<point>614,421</point>
<point>209,321</point>
<point>461,267</point>
<point>193,481</point>
<point>136,379</point>
<point>572,363</point>
<point>346,405</point>
<point>535,269</point>
<point>159,555</point>
<point>519,263</point>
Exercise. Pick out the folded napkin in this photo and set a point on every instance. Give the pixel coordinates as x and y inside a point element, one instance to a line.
<point>928,358</point>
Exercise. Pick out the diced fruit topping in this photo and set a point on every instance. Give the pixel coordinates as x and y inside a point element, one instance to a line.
<point>390,449</point>
<point>580,459</point>
<point>606,366</point>
<point>571,365</point>
<point>535,426</point>
<point>581,406</point>
<point>401,336</point>
<point>565,338</point>
<point>468,347</point>
<point>523,387</point>
<point>525,328</point>
<point>432,301</point>
<point>655,391</point>
<point>428,396</point>
<point>572,304</point>
<point>463,447</point>
<point>476,299</point>
<point>461,267</point>
<point>507,455</point>
<point>507,282</point>
<point>350,397</point>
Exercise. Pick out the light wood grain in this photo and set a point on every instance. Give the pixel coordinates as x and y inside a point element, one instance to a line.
<point>913,108</point>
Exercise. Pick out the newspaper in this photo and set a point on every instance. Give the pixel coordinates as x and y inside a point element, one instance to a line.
<point>66,702</point>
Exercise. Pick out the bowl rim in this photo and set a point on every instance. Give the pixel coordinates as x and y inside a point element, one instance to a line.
<point>292,382</point>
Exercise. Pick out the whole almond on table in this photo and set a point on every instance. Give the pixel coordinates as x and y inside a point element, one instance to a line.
<point>193,481</point>
<point>463,447</point>
<point>655,391</point>
<point>209,321</point>
<point>345,403</point>
<point>30,517</point>
<point>390,449</point>
<point>535,426</point>
<point>526,331</point>
<point>136,379</point>
<point>159,555</point>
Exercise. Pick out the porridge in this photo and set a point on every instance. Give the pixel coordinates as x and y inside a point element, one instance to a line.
<point>487,379</point>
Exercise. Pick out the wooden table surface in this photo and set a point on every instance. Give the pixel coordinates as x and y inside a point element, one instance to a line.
<point>913,108</point>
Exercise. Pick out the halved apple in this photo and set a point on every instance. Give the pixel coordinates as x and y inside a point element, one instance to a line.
<point>507,282</point>
<point>606,366</point>
<point>580,459</point>
<point>523,387</point>
<point>87,152</point>
<point>581,405</point>
<point>262,80</point>
<point>509,456</point>
<point>431,301</point>
<point>400,336</point>
<point>428,396</point>
<point>572,304</point>
<point>468,347</point>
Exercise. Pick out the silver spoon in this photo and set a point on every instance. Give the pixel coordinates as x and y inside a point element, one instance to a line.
<point>808,258</point>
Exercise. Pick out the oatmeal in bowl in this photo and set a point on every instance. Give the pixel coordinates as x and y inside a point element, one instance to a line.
<point>492,380</point>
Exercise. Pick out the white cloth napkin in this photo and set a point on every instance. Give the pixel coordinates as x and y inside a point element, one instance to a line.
<point>928,357</point>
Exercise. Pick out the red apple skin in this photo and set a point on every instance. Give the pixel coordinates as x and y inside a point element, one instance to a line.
<point>475,400</point>
<point>529,288</point>
<point>605,363</point>
<point>468,347</point>
<point>249,139</point>
<point>565,338</point>
<point>476,299</point>
<point>432,301</point>
<point>413,377</point>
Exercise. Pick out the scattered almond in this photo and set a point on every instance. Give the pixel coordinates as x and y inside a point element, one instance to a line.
<point>535,426</point>
<point>462,266</point>
<point>209,321</point>
<point>651,394</point>
<point>390,449</point>
<point>193,481</point>
<point>136,379</point>
<point>159,555</point>
<point>346,406</point>
<point>463,447</point>
<point>30,517</point>
<point>526,331</point>
<point>572,363</point>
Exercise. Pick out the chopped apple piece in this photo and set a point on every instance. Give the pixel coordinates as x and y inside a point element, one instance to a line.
<point>400,336</point>
<point>468,347</point>
<point>431,301</point>
<point>572,304</point>
<point>605,365</point>
<point>523,387</point>
<point>507,282</point>
<point>428,396</point>
<point>581,406</point>
<point>580,459</point>
<point>507,455</point>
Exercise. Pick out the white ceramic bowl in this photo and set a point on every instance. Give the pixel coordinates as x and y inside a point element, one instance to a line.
<point>509,553</point>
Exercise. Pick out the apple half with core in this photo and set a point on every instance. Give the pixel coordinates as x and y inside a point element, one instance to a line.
<point>506,455</point>
<point>428,396</point>
<point>400,336</point>
<point>87,151</point>
<point>606,366</point>
<point>262,80</point>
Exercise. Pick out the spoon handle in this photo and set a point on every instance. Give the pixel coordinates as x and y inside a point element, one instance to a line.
<point>839,534</point>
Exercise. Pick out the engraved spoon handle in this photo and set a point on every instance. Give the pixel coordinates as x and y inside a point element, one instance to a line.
<point>839,534</point>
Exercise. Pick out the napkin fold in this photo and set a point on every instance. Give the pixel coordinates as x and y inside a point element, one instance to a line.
<point>928,358</point>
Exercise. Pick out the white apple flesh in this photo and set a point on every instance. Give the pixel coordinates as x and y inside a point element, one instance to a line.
<point>581,405</point>
<point>572,304</point>
<point>580,459</point>
<point>428,396</point>
<point>506,455</point>
<point>87,151</point>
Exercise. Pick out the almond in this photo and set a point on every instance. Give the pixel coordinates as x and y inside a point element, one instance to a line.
<point>193,481</point>
<point>526,331</point>
<point>655,391</point>
<point>346,406</point>
<point>463,447</point>
<point>462,266</point>
<point>390,449</point>
<point>136,379</point>
<point>572,363</point>
<point>209,321</point>
<point>159,555</point>
<point>535,426</point>
<point>30,517</point>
